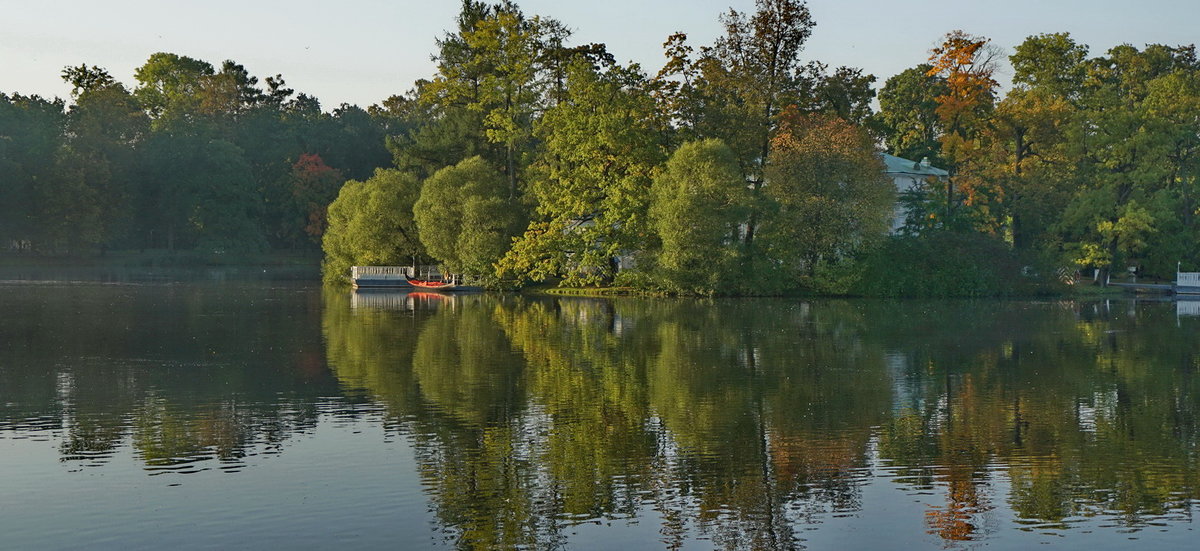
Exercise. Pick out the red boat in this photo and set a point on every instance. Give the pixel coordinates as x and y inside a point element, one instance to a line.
<point>432,285</point>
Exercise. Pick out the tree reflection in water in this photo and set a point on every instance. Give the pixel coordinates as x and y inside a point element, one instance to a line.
<point>739,421</point>
<point>183,374</point>
<point>743,422</point>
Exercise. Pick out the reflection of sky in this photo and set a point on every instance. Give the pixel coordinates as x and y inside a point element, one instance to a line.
<point>346,485</point>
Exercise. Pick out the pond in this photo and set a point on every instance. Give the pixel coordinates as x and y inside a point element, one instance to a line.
<point>247,413</point>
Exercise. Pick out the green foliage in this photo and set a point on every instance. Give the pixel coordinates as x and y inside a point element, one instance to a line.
<point>1051,62</point>
<point>371,223</point>
<point>737,88</point>
<point>940,264</point>
<point>591,185</point>
<point>170,86</point>
<point>908,114</point>
<point>31,132</point>
<point>698,203</point>
<point>1092,161</point>
<point>828,197</point>
<point>464,217</point>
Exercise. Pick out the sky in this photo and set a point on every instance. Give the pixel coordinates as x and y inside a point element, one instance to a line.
<point>362,51</point>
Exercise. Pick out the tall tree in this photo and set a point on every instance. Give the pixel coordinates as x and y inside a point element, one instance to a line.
<point>96,165</point>
<point>698,204</point>
<point>828,197</point>
<point>31,133</point>
<point>371,223</point>
<point>968,64</point>
<point>1032,135</point>
<point>488,86</point>
<point>465,217</point>
<point>736,89</point>
<point>1051,62</point>
<point>908,114</point>
<point>591,182</point>
<point>170,87</point>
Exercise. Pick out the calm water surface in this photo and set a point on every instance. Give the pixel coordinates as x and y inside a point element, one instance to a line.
<point>250,414</point>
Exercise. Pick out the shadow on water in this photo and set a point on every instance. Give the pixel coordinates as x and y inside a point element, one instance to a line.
<point>743,423</point>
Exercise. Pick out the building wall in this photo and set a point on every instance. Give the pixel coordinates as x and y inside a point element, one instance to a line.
<point>903,183</point>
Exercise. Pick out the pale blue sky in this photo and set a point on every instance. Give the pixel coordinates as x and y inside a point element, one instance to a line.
<point>361,51</point>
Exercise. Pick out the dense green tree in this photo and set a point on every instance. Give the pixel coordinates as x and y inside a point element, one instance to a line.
<point>170,87</point>
<point>908,114</point>
<point>487,90</point>
<point>371,223</point>
<point>751,74</point>
<point>199,193</point>
<point>591,184</point>
<point>31,133</point>
<point>1051,62</point>
<point>1030,141</point>
<point>846,93</point>
<point>105,126</point>
<point>697,206</point>
<point>1137,156</point>
<point>465,218</point>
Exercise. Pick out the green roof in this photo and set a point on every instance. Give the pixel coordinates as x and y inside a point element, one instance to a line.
<point>897,165</point>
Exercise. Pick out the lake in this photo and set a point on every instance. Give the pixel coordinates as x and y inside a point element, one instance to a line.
<point>234,412</point>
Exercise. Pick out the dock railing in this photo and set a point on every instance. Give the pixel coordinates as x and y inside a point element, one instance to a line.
<point>1187,279</point>
<point>381,272</point>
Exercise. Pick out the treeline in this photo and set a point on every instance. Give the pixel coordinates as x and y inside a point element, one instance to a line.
<point>192,157</point>
<point>737,168</point>
<point>1090,162</point>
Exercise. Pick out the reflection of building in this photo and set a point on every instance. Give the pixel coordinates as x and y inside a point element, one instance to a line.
<point>908,175</point>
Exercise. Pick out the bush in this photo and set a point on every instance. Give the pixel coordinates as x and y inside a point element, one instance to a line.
<point>947,264</point>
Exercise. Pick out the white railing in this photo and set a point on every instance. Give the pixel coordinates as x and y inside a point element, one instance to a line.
<point>381,272</point>
<point>380,301</point>
<point>1187,308</point>
<point>1187,279</point>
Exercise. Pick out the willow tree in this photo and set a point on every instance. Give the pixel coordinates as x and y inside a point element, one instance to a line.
<point>371,223</point>
<point>465,218</point>
<point>698,203</point>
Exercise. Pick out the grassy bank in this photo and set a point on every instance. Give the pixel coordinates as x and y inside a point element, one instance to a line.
<point>590,291</point>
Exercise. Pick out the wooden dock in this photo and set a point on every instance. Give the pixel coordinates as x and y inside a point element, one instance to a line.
<point>1186,283</point>
<point>397,278</point>
<point>381,277</point>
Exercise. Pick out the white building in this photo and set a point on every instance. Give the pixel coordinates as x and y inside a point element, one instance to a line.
<point>906,175</point>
